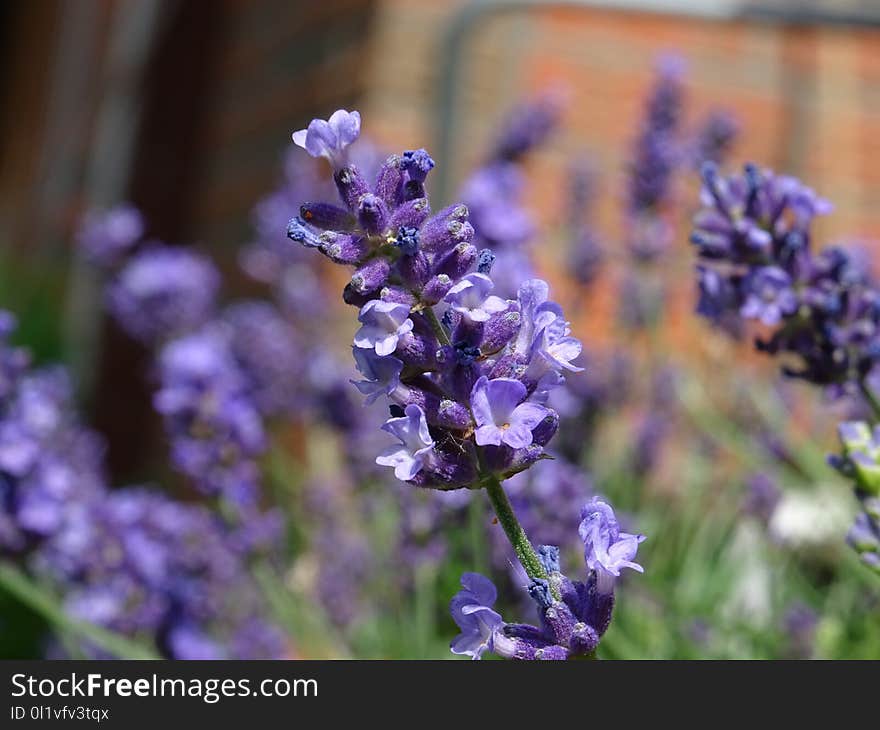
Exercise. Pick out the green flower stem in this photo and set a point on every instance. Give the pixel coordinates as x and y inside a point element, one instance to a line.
<point>437,326</point>
<point>870,397</point>
<point>526,554</point>
<point>17,584</point>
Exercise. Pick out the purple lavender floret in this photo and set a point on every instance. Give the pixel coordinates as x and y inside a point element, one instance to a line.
<point>471,299</point>
<point>432,325</point>
<point>607,550</point>
<point>502,414</point>
<point>416,444</point>
<point>330,138</point>
<point>162,292</point>
<point>106,238</point>
<point>383,324</point>
<point>573,615</point>
<point>471,609</point>
<point>769,296</point>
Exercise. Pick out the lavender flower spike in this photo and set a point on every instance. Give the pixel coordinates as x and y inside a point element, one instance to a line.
<point>471,609</point>
<point>501,416</point>
<point>415,446</point>
<point>607,550</point>
<point>470,297</point>
<point>330,138</point>
<point>384,323</point>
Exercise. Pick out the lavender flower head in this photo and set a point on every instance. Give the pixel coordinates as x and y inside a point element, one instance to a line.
<point>573,615</point>
<point>162,292</point>
<point>753,237</point>
<point>469,369</point>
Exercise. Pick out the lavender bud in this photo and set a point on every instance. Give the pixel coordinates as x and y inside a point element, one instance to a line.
<point>546,429</point>
<point>299,232</point>
<point>372,275</point>
<point>327,217</point>
<point>437,287</point>
<point>453,415</point>
<point>411,214</point>
<point>414,270</point>
<point>389,181</point>
<point>344,248</point>
<point>372,214</point>
<point>439,235</point>
<point>500,330</point>
<point>351,185</point>
<point>417,164</point>
<point>583,640</point>
<point>397,294</point>
<point>418,351</point>
<point>459,261</point>
<point>485,261</point>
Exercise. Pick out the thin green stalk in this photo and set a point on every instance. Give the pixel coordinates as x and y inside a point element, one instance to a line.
<point>870,397</point>
<point>526,554</point>
<point>17,584</point>
<point>437,326</point>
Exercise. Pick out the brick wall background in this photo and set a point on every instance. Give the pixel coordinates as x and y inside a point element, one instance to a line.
<point>208,103</point>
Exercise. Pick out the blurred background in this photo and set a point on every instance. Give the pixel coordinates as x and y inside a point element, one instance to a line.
<point>185,109</point>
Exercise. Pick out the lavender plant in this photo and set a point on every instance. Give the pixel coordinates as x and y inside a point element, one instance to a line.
<point>129,560</point>
<point>820,308</point>
<point>467,373</point>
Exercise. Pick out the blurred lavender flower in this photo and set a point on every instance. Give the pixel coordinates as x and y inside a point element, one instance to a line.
<point>494,193</point>
<point>141,564</point>
<point>48,462</point>
<point>655,156</point>
<point>269,353</point>
<point>106,238</point>
<point>527,126</point>
<point>762,496</point>
<point>800,623</point>
<point>586,250</point>
<point>215,430</point>
<point>753,240</point>
<point>714,139</point>
<point>162,292</point>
